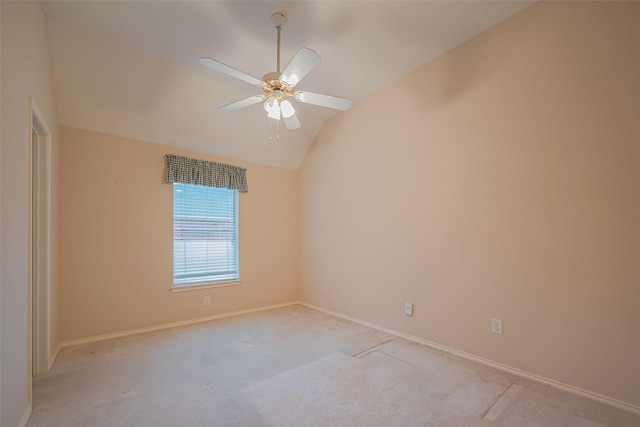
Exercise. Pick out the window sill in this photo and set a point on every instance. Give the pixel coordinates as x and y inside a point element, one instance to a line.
<point>204,286</point>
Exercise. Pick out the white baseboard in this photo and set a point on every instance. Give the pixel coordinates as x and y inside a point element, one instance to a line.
<point>70,343</point>
<point>515,371</point>
<point>25,417</point>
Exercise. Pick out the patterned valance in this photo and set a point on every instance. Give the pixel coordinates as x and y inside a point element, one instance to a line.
<point>202,172</point>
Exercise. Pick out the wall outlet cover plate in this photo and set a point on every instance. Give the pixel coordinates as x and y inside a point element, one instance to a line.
<point>408,309</point>
<point>496,326</point>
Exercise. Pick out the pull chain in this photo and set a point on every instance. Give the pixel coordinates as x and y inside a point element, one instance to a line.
<point>271,129</point>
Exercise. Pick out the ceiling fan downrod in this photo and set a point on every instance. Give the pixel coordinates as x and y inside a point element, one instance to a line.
<point>278,20</point>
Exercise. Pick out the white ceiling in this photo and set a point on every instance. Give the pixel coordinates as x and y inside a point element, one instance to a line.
<point>131,68</point>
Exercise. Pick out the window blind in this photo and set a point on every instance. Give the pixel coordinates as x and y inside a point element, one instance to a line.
<point>205,234</point>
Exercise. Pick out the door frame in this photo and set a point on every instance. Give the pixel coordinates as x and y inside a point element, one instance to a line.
<point>39,301</point>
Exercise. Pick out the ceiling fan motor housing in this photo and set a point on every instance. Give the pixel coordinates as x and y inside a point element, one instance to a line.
<point>273,86</point>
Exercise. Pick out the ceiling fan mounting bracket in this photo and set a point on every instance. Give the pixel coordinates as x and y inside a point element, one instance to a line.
<point>278,19</point>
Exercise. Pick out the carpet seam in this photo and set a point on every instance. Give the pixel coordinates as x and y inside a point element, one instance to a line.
<point>363,353</point>
<point>496,401</point>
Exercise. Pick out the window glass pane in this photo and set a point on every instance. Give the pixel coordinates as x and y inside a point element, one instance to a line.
<point>205,234</point>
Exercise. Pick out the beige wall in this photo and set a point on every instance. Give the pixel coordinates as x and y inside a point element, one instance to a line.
<point>116,254</point>
<point>499,181</point>
<point>25,72</point>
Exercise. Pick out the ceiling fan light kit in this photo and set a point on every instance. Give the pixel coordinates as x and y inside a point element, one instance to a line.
<point>277,87</point>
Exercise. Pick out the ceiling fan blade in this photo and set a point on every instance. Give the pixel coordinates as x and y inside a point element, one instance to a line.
<point>304,61</point>
<point>242,103</point>
<point>219,66</point>
<point>323,100</point>
<point>291,122</point>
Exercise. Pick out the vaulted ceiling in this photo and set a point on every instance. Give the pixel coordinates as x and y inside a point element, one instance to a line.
<point>130,68</point>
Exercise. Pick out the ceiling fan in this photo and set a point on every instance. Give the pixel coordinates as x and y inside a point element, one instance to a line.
<point>278,87</point>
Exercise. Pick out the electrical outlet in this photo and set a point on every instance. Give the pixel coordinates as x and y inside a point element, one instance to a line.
<point>325,289</point>
<point>496,326</point>
<point>408,309</point>
<point>207,300</point>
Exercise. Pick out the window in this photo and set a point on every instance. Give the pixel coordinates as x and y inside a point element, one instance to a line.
<point>205,235</point>
<point>205,220</point>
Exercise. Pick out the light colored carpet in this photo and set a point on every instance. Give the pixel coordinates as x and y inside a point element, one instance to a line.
<point>295,367</point>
